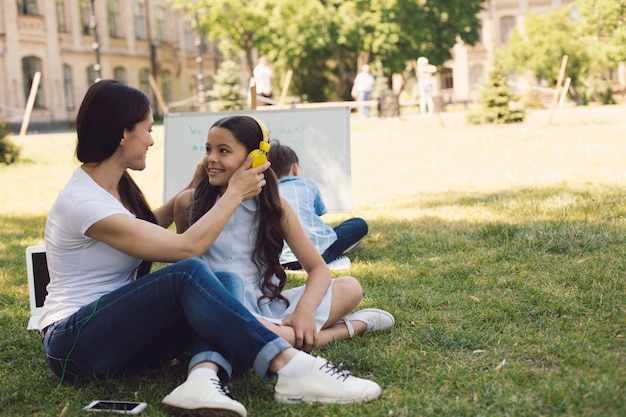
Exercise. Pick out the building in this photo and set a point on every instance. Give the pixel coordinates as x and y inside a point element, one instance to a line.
<point>461,77</point>
<point>71,43</point>
<point>136,41</point>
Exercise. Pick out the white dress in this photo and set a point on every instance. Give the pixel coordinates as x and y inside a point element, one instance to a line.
<point>232,252</point>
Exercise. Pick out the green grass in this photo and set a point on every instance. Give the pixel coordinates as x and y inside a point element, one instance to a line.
<point>499,249</point>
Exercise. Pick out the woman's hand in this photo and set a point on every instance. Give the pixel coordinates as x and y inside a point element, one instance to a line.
<point>248,182</point>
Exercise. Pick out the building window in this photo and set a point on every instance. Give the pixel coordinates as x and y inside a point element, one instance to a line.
<point>91,75</point>
<point>85,17</point>
<point>189,38</point>
<point>119,74</point>
<point>28,7</point>
<point>476,76</point>
<point>30,66</point>
<point>507,23</point>
<point>447,83</point>
<point>144,81</point>
<point>159,20</point>
<point>68,88</point>
<point>140,21</point>
<point>61,21</point>
<point>113,14</point>
<point>166,86</point>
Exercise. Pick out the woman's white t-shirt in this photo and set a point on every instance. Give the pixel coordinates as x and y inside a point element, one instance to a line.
<point>81,269</point>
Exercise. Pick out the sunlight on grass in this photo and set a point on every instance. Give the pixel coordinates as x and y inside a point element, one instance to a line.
<point>499,250</point>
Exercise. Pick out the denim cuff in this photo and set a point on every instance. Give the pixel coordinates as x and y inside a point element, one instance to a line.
<point>264,357</point>
<point>225,368</point>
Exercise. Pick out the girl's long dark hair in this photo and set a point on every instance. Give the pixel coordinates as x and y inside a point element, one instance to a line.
<point>270,237</point>
<point>108,108</point>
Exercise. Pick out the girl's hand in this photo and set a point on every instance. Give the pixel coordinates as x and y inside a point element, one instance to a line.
<point>304,328</point>
<point>248,182</point>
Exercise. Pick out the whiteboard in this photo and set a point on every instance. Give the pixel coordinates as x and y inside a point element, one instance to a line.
<point>320,137</point>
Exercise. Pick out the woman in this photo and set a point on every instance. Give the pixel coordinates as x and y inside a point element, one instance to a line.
<point>105,314</point>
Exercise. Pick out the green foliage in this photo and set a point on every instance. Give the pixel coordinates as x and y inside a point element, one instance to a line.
<point>9,151</point>
<point>498,102</point>
<point>584,33</point>
<point>243,22</point>
<point>604,19</point>
<point>322,40</point>
<point>227,89</point>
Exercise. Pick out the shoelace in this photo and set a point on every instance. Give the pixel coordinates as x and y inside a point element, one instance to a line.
<point>335,371</point>
<point>224,390</point>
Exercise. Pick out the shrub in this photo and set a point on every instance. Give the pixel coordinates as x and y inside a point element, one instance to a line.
<point>498,102</point>
<point>9,152</point>
<point>227,89</point>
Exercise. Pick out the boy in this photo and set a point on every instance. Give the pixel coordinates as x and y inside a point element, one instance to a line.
<point>304,197</point>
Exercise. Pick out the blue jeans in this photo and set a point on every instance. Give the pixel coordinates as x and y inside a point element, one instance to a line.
<point>349,233</point>
<point>156,318</point>
<point>365,96</point>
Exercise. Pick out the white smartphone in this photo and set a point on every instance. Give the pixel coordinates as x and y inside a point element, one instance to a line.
<point>120,407</point>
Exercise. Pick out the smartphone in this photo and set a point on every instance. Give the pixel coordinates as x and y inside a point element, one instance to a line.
<point>120,407</point>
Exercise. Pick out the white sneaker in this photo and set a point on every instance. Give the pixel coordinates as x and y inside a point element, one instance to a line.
<point>340,264</point>
<point>325,383</point>
<point>375,319</point>
<point>203,397</point>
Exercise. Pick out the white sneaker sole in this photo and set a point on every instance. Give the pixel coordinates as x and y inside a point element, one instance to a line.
<point>286,399</point>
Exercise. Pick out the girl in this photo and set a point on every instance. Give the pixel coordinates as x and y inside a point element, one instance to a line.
<point>106,314</point>
<point>250,245</point>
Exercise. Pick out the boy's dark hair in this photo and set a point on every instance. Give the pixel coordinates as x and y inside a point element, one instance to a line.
<point>282,158</point>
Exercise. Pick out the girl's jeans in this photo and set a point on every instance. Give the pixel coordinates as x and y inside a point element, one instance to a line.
<point>154,319</point>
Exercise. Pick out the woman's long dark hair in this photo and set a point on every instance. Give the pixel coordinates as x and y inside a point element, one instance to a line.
<point>270,237</point>
<point>108,108</point>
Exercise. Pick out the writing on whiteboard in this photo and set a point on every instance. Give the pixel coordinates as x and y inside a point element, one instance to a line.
<point>320,137</point>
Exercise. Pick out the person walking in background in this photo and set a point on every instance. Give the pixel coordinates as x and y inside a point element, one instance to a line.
<point>308,316</point>
<point>424,72</point>
<point>363,87</point>
<point>304,196</point>
<point>263,75</point>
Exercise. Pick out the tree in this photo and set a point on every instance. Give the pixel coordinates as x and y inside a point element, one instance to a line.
<point>243,22</point>
<point>305,47</point>
<point>390,31</point>
<point>227,89</point>
<point>497,103</point>
<point>324,41</point>
<point>604,19</point>
<point>540,45</point>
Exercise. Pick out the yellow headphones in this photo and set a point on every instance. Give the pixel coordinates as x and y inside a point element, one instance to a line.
<point>259,156</point>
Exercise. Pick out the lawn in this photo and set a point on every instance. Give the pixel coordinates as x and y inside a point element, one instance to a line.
<point>499,249</point>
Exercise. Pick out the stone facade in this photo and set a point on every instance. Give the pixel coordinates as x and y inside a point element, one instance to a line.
<point>142,38</point>
<point>461,76</point>
<point>137,40</point>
